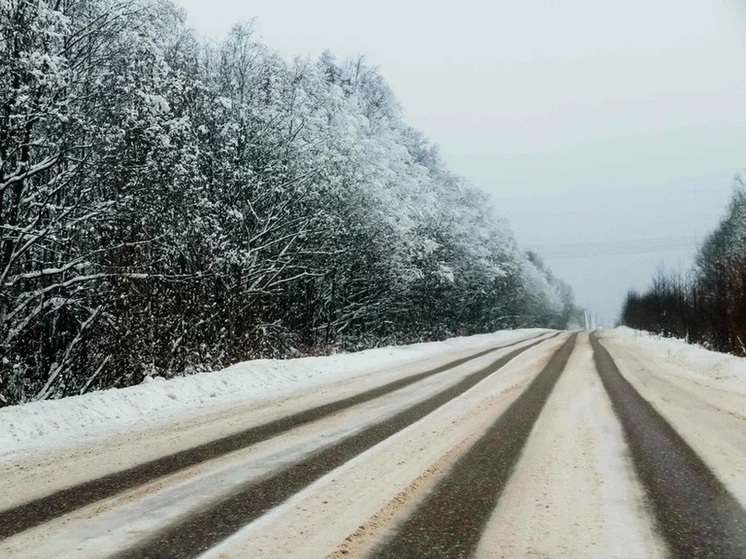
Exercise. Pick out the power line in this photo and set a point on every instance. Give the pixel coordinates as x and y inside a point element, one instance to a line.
<point>616,247</point>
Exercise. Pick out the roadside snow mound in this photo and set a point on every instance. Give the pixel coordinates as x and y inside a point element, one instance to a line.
<point>49,423</point>
<point>710,368</point>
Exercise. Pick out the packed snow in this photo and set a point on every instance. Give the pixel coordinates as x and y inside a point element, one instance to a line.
<point>574,482</point>
<point>708,368</point>
<point>52,423</point>
<point>701,393</point>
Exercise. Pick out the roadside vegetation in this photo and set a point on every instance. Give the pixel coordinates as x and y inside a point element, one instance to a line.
<point>169,205</point>
<point>707,305</point>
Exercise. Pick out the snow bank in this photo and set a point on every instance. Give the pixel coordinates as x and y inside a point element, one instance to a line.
<point>54,422</point>
<point>711,368</point>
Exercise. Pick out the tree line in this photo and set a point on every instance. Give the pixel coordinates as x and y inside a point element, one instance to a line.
<point>169,204</point>
<point>707,305</point>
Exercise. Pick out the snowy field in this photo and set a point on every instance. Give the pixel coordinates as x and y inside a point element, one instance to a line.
<point>50,423</point>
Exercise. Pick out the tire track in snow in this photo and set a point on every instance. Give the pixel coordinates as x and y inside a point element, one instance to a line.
<point>449,523</point>
<point>203,529</point>
<point>37,512</point>
<point>696,514</point>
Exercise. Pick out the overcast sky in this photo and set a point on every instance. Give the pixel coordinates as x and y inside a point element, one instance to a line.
<point>608,133</point>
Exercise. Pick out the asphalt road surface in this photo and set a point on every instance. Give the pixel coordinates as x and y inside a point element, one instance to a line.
<point>563,445</point>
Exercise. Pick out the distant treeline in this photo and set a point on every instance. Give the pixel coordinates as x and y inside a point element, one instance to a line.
<point>708,304</point>
<point>168,204</point>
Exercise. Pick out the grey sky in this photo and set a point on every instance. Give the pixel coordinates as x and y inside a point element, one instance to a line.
<point>590,122</point>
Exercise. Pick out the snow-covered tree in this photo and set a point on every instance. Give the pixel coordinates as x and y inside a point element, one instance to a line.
<point>168,204</point>
<point>707,305</point>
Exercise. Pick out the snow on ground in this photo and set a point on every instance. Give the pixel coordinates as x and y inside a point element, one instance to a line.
<point>574,492</point>
<point>721,371</point>
<point>52,423</point>
<point>701,393</point>
<point>343,514</point>
<point>574,488</point>
<point>101,529</point>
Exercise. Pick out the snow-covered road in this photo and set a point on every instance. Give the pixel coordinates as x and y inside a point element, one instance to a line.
<point>343,462</point>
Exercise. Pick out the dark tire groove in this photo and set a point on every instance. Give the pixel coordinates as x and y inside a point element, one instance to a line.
<point>450,522</point>
<point>44,509</point>
<point>198,532</point>
<point>695,513</point>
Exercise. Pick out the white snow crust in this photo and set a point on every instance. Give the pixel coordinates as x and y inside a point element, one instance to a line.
<point>712,369</point>
<point>48,424</point>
